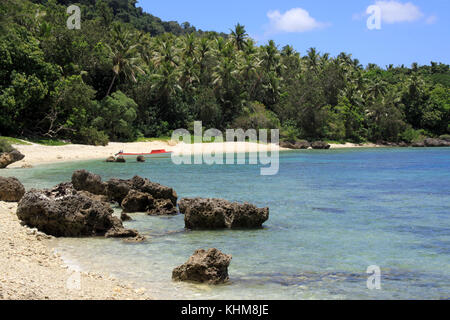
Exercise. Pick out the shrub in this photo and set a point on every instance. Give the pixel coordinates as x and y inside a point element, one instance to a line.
<point>445,137</point>
<point>5,146</point>
<point>410,135</point>
<point>257,117</point>
<point>92,136</point>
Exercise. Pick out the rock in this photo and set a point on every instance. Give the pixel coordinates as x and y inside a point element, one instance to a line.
<point>321,145</point>
<point>121,159</point>
<point>140,159</point>
<point>137,201</point>
<point>137,239</point>
<point>117,189</point>
<point>96,197</point>
<point>111,159</point>
<point>86,181</point>
<point>221,214</point>
<point>287,144</point>
<point>7,158</point>
<point>61,190</point>
<point>121,232</point>
<point>297,145</point>
<point>71,215</point>
<point>162,207</point>
<point>436,143</point>
<point>124,217</point>
<point>418,144</point>
<point>142,195</point>
<point>157,190</point>
<point>204,267</point>
<point>302,145</point>
<point>11,189</point>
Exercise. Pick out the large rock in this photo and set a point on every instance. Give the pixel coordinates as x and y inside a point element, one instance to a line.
<point>11,190</point>
<point>137,201</point>
<point>134,195</point>
<point>436,143</point>
<point>321,145</point>
<point>418,144</point>
<point>163,207</point>
<point>298,145</point>
<point>156,190</point>
<point>204,267</point>
<point>86,181</point>
<point>70,215</point>
<point>165,198</point>
<point>221,214</point>
<point>7,158</point>
<point>117,189</point>
<point>302,144</point>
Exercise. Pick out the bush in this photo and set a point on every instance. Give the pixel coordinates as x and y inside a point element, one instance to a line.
<point>410,135</point>
<point>289,132</point>
<point>445,137</point>
<point>5,146</point>
<point>257,117</point>
<point>92,136</point>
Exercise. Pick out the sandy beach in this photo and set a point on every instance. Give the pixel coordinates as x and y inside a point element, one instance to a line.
<point>31,270</point>
<point>38,154</point>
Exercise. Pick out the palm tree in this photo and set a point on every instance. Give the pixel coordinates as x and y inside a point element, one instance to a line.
<point>312,59</point>
<point>189,74</point>
<point>166,51</point>
<point>238,36</point>
<point>165,81</point>
<point>189,46</point>
<point>124,55</point>
<point>270,56</point>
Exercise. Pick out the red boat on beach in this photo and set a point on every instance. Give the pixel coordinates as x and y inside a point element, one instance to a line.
<point>154,154</point>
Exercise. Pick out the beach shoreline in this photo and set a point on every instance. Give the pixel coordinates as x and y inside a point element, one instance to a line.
<point>36,154</point>
<point>32,270</point>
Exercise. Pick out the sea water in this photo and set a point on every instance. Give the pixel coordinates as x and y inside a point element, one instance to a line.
<point>332,215</point>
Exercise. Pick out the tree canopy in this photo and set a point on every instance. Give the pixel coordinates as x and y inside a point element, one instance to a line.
<point>127,74</point>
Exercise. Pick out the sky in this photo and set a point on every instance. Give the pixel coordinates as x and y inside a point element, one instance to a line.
<point>401,32</point>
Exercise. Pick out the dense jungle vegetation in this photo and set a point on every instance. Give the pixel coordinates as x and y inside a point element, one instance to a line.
<point>126,75</point>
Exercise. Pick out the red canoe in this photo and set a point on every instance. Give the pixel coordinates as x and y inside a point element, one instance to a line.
<point>154,154</point>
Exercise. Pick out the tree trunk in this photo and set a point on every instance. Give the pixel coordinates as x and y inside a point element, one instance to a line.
<point>112,83</point>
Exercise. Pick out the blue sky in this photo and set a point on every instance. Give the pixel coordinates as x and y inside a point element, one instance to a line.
<point>411,31</point>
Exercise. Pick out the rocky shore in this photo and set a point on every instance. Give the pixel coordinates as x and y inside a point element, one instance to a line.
<point>82,208</point>
<point>31,270</point>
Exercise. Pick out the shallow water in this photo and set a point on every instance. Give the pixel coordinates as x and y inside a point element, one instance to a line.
<point>332,214</point>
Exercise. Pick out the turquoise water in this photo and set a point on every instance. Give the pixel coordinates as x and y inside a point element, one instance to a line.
<point>332,214</point>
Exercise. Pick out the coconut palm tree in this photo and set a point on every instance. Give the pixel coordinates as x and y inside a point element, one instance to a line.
<point>124,54</point>
<point>239,36</point>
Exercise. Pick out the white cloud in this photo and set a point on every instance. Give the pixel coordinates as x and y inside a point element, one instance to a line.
<point>394,11</point>
<point>431,20</point>
<point>294,20</point>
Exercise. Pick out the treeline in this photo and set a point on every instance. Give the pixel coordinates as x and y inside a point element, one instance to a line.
<point>126,75</point>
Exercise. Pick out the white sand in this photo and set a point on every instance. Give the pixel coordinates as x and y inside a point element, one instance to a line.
<point>38,154</point>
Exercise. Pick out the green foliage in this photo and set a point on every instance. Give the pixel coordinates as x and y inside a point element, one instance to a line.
<point>49,142</point>
<point>257,117</point>
<point>15,141</point>
<point>116,114</point>
<point>92,136</point>
<point>5,146</point>
<point>411,135</point>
